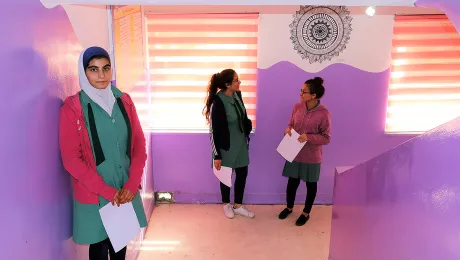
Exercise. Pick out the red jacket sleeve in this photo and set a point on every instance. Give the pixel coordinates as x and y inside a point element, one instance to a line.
<point>72,156</point>
<point>139,153</point>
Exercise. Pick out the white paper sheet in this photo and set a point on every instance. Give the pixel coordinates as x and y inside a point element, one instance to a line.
<point>120,223</point>
<point>224,175</point>
<point>290,146</point>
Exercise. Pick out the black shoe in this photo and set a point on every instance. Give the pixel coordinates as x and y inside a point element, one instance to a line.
<point>284,213</point>
<point>302,220</point>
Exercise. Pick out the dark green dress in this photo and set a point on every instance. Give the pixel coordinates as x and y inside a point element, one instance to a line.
<point>309,172</point>
<point>238,154</point>
<point>113,135</point>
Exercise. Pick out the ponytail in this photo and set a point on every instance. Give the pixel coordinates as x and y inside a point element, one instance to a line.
<point>218,81</point>
<point>211,93</point>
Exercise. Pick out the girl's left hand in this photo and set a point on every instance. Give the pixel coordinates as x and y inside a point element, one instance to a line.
<point>125,196</point>
<point>303,138</point>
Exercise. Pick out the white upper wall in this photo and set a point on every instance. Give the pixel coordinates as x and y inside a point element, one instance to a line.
<point>90,24</point>
<point>280,9</point>
<point>52,3</point>
<point>368,49</point>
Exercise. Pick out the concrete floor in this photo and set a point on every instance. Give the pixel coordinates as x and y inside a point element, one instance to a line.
<point>201,232</point>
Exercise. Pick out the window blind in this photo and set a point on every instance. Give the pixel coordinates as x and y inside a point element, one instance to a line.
<point>424,87</point>
<point>184,51</point>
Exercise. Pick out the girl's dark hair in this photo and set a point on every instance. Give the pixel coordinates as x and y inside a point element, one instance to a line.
<point>315,86</point>
<point>96,57</point>
<point>218,81</point>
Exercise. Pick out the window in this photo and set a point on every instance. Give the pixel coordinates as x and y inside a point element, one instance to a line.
<point>424,87</point>
<point>184,51</point>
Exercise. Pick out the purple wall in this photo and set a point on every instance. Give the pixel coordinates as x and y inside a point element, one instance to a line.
<point>36,219</point>
<point>356,99</point>
<point>38,68</point>
<point>403,204</point>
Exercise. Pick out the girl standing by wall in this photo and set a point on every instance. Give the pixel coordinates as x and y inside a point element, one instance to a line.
<point>312,121</point>
<point>103,148</point>
<point>230,128</point>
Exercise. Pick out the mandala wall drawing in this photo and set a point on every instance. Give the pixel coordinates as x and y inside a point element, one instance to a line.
<point>320,33</point>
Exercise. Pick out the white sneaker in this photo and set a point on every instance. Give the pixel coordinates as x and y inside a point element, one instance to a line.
<point>228,211</point>
<point>242,211</point>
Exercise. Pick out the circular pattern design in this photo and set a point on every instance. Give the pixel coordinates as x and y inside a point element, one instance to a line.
<point>320,32</point>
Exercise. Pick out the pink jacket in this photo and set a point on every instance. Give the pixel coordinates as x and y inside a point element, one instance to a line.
<point>316,123</point>
<point>77,154</point>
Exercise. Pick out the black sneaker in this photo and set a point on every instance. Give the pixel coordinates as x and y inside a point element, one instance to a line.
<point>284,213</point>
<point>302,220</point>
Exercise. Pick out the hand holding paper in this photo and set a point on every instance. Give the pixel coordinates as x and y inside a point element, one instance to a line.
<point>290,146</point>
<point>288,131</point>
<point>302,138</point>
<point>224,175</point>
<point>218,164</point>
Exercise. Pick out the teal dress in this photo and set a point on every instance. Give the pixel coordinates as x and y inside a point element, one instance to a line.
<point>238,154</point>
<point>113,136</point>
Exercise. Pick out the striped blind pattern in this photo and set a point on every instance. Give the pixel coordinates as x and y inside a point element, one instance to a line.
<point>184,51</point>
<point>424,87</point>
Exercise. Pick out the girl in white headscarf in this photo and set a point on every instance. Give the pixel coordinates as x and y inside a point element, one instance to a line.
<point>103,148</point>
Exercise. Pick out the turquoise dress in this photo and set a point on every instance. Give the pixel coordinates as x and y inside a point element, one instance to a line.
<point>113,136</point>
<point>238,154</point>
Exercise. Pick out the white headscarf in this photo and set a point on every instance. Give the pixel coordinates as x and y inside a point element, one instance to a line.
<point>103,97</point>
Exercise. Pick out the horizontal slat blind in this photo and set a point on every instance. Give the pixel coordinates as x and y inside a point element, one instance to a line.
<point>184,51</point>
<point>425,74</point>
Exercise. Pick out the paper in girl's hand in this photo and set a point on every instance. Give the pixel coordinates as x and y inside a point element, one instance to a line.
<point>290,147</point>
<point>224,175</point>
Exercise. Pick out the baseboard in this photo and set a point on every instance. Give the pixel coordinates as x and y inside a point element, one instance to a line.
<point>249,198</point>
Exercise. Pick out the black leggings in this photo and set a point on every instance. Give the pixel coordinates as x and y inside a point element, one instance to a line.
<point>240,184</point>
<point>101,250</point>
<point>291,190</point>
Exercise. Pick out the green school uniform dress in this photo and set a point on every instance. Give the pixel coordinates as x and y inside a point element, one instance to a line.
<point>113,136</point>
<point>238,154</point>
<point>308,172</point>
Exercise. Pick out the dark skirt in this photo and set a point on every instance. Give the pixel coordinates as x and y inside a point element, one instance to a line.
<point>309,172</point>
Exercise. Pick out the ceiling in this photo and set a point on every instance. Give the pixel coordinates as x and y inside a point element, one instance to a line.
<point>281,9</point>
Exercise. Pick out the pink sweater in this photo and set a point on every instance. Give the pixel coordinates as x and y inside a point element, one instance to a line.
<point>77,154</point>
<point>316,123</point>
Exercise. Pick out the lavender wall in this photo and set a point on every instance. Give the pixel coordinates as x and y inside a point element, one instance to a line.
<point>403,204</point>
<point>38,68</point>
<point>356,100</point>
<point>36,219</point>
